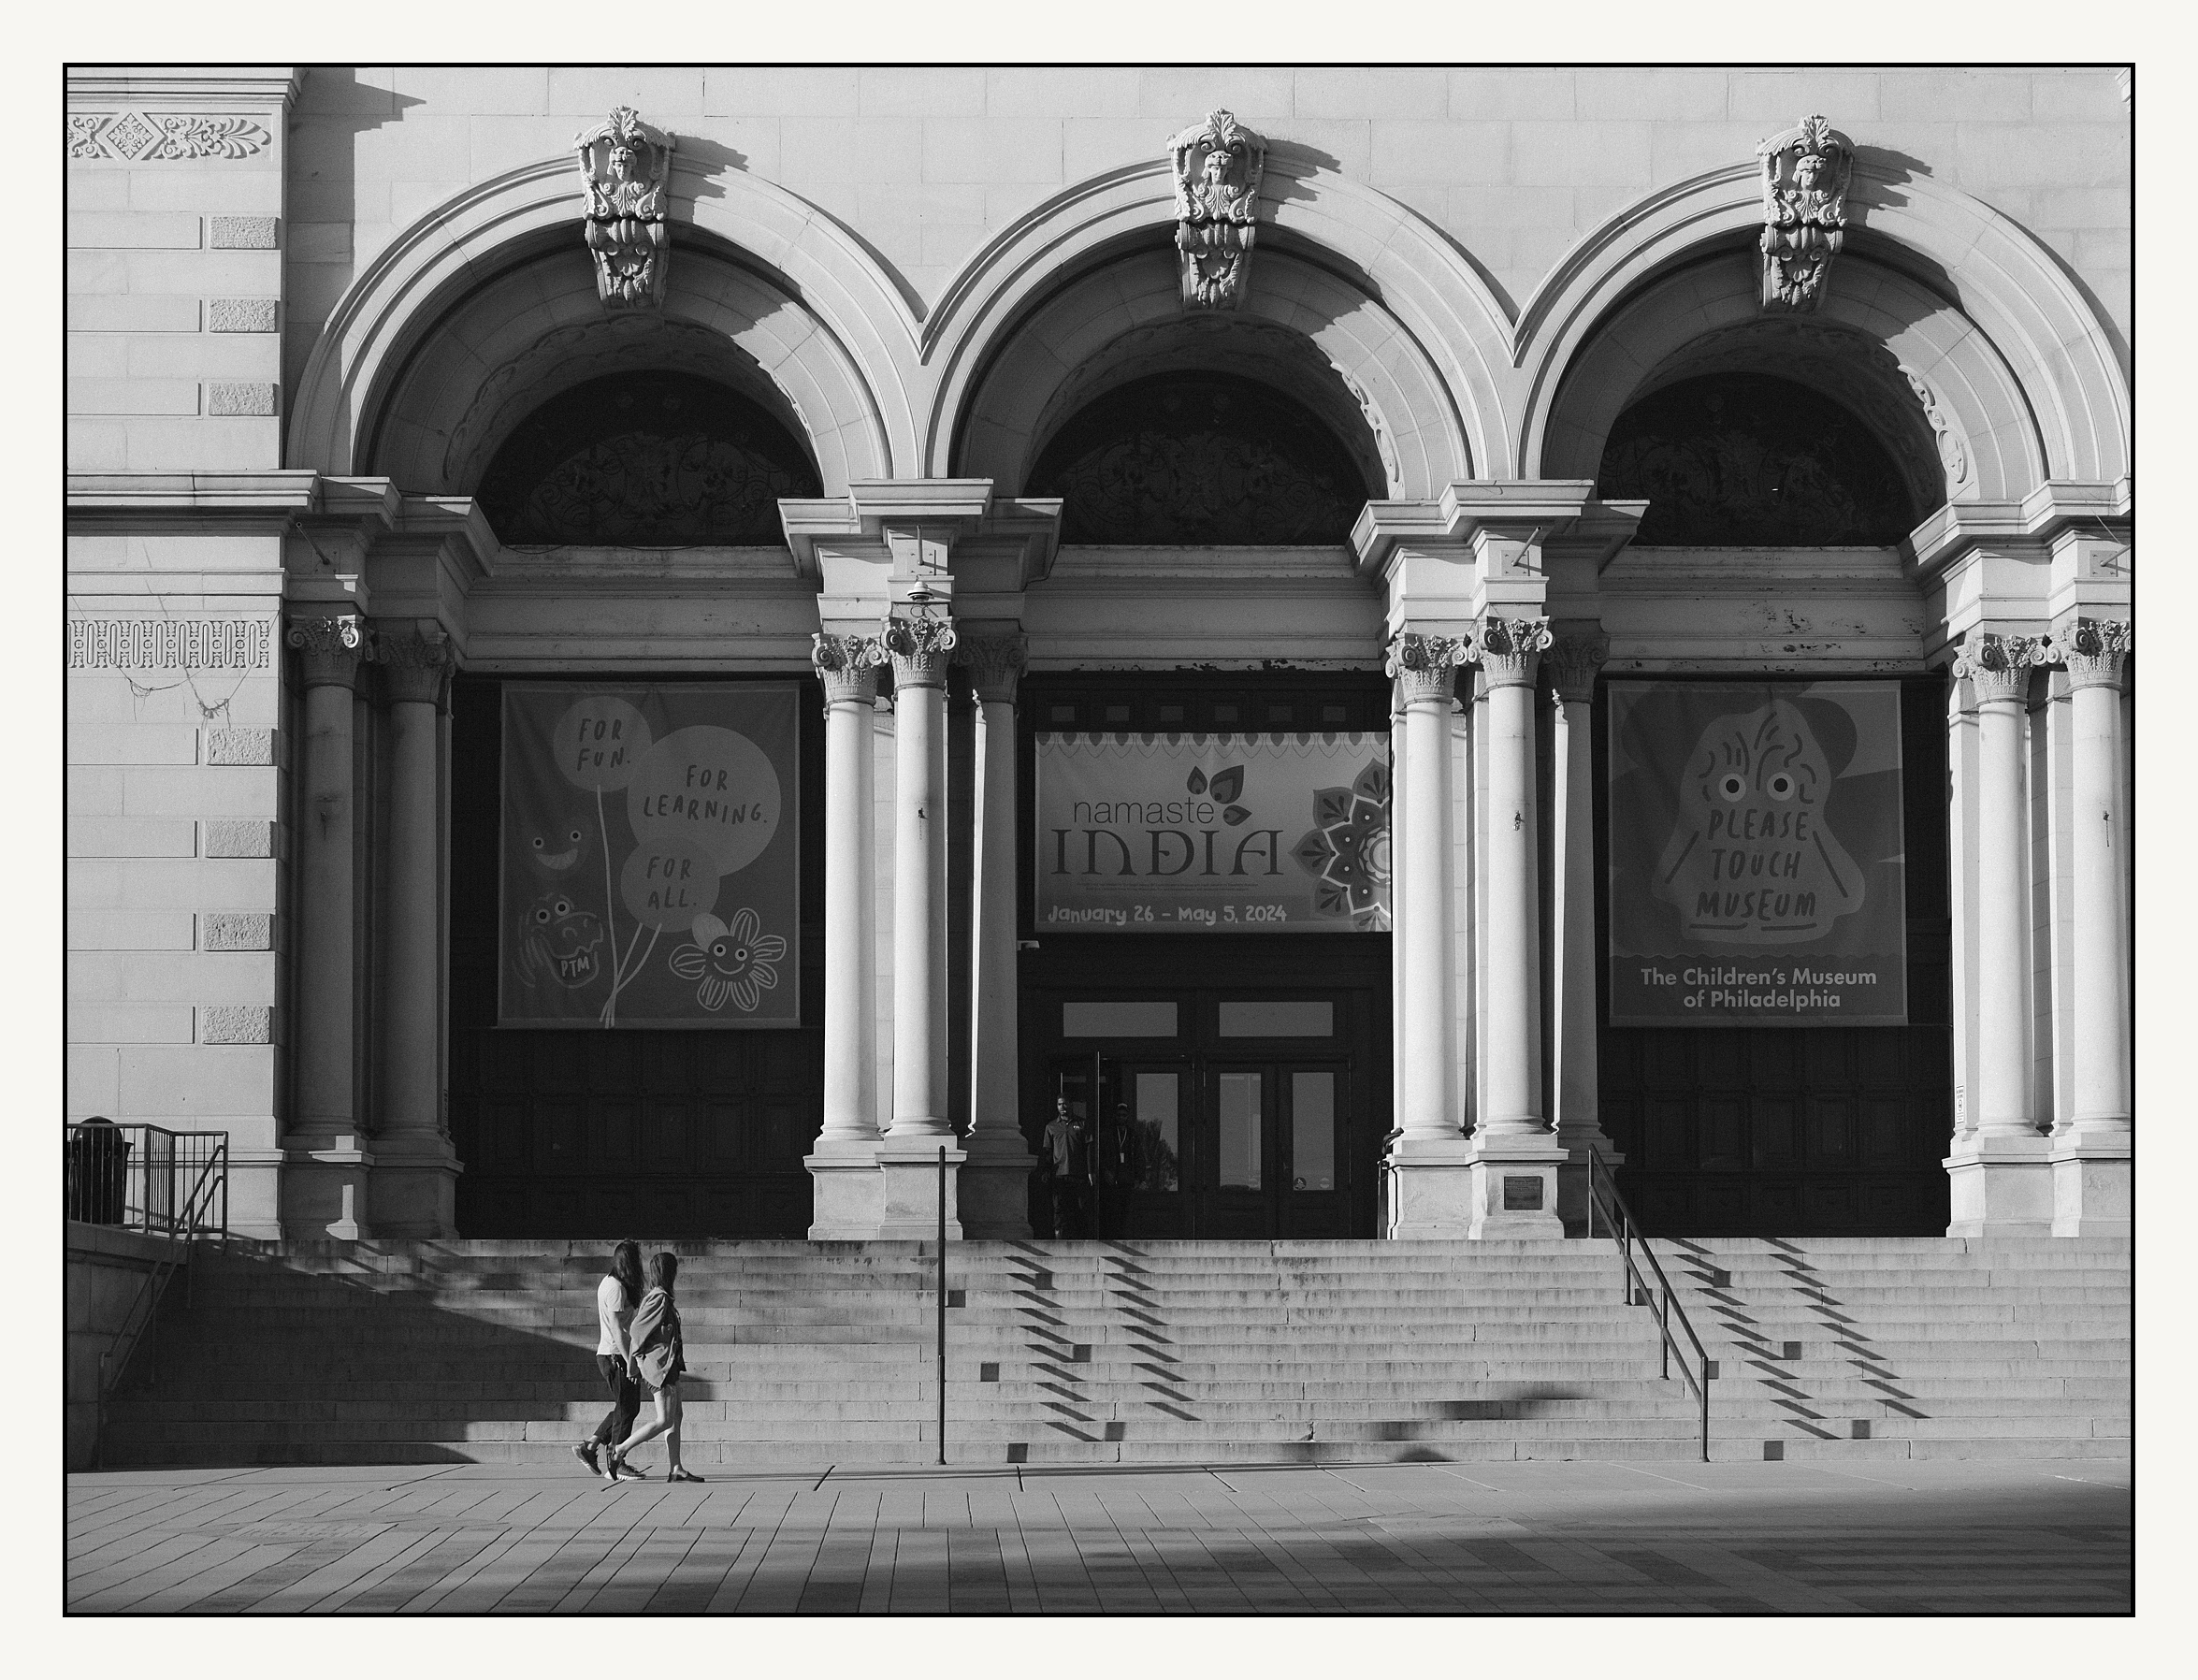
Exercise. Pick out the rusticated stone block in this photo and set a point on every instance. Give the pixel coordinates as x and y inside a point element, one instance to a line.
<point>240,315</point>
<point>239,746</point>
<point>246,401</point>
<point>243,233</point>
<point>236,1023</point>
<point>236,930</point>
<point>239,837</point>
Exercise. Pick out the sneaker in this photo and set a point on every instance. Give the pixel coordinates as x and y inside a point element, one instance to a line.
<point>584,1452</point>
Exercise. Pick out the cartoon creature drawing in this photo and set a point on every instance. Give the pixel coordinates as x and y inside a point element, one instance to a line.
<point>1751,859</point>
<point>559,941</point>
<point>734,962</point>
<point>556,847</point>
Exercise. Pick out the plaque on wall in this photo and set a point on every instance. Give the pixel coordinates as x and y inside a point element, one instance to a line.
<point>1140,833</point>
<point>1756,855</point>
<point>650,854</point>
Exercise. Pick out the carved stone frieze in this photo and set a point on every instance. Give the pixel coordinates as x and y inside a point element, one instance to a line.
<point>332,647</point>
<point>1998,667</point>
<point>847,665</point>
<point>1572,663</point>
<point>1218,164</point>
<point>1507,649</point>
<point>2094,652</point>
<point>164,136</point>
<point>995,665</point>
<point>1425,668</point>
<point>919,648</point>
<point>625,177</point>
<point>1806,171</point>
<point>416,662</point>
<point>1953,453</point>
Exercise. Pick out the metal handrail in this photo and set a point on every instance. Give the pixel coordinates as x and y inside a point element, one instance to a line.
<point>1618,1218</point>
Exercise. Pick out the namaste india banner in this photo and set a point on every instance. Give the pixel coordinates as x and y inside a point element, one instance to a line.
<point>651,856</point>
<point>1756,855</point>
<point>1213,833</point>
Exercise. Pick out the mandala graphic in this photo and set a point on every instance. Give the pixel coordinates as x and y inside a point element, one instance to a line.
<point>1347,852</point>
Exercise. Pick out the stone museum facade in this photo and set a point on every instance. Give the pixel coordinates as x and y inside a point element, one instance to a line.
<point>649,649</point>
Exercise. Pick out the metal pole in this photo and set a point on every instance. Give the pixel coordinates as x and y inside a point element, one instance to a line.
<point>1664,1337</point>
<point>942,1303</point>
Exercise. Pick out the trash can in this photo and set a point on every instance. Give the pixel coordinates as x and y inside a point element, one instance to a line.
<point>98,1171</point>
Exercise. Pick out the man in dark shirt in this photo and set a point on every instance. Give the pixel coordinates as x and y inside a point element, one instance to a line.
<point>1065,1170</point>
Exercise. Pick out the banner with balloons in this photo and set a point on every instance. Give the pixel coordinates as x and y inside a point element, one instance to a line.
<point>651,855</point>
<point>1756,855</point>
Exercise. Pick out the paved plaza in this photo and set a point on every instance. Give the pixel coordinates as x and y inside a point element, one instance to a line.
<point>1939,1537</point>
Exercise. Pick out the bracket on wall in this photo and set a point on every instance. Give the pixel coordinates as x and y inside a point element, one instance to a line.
<point>1218,164</point>
<point>625,177</point>
<point>1806,169</point>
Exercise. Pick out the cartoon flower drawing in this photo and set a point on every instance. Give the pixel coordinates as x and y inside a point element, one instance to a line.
<point>1347,852</point>
<point>733,961</point>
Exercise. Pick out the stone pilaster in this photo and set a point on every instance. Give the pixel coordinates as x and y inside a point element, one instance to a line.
<point>2092,1151</point>
<point>417,1168</point>
<point>1999,1180</point>
<point>1571,667</point>
<point>995,1177</point>
<point>843,1170</point>
<point>326,1159</point>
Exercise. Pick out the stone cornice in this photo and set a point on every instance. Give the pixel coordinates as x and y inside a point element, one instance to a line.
<point>962,512</point>
<point>1545,508</point>
<point>271,86</point>
<point>2033,524</point>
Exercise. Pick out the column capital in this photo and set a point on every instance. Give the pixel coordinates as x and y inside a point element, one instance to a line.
<point>1572,660</point>
<point>1507,649</point>
<point>2094,651</point>
<point>333,646</point>
<point>847,665</point>
<point>416,659</point>
<point>1998,667</point>
<point>919,648</point>
<point>1425,668</point>
<point>995,665</point>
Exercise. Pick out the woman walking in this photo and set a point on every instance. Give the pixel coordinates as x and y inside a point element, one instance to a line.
<point>661,1355</point>
<point>615,1298</point>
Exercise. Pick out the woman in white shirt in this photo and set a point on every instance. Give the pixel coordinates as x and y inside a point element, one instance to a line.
<point>616,1297</point>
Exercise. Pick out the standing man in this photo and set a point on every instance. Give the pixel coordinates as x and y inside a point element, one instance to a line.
<point>1064,1156</point>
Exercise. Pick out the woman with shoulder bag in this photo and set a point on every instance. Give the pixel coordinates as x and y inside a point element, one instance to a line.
<point>661,1355</point>
<point>615,1298</point>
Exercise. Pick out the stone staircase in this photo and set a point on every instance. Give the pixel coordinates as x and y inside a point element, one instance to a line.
<point>1100,1353</point>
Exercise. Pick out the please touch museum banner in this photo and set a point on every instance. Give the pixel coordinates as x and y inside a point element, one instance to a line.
<point>1213,833</point>
<point>651,855</point>
<point>1755,855</point>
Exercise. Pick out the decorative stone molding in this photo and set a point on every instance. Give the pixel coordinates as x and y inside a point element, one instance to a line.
<point>1506,649</point>
<point>1571,662</point>
<point>2094,652</point>
<point>333,647</point>
<point>848,666</point>
<point>1998,667</point>
<point>416,662</point>
<point>1218,164</point>
<point>163,136</point>
<point>1806,170</point>
<point>625,179</point>
<point>1953,453</point>
<point>995,665</point>
<point>919,649</point>
<point>1425,667</point>
<point>169,643</point>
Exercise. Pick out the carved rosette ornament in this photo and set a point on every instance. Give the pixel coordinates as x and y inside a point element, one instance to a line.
<point>416,662</point>
<point>1998,667</point>
<point>1806,172</point>
<point>995,665</point>
<point>1572,664</point>
<point>1508,648</point>
<point>1425,667</point>
<point>331,649</point>
<point>1218,164</point>
<point>847,666</point>
<point>2094,652</point>
<point>625,175</point>
<point>919,649</point>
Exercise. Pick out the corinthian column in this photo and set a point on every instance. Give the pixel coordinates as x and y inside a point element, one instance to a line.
<point>416,1172</point>
<point>843,1169</point>
<point>1997,1172</point>
<point>326,1163</point>
<point>2091,1154</point>
<point>995,1178</point>
<point>1572,664</point>
<point>919,648</point>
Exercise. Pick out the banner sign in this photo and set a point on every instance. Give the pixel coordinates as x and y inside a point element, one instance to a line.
<point>1213,833</point>
<point>1756,855</point>
<point>651,855</point>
